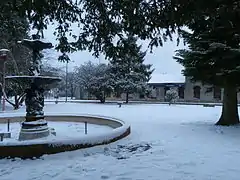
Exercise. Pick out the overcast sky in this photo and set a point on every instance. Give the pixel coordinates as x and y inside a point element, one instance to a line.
<point>166,68</point>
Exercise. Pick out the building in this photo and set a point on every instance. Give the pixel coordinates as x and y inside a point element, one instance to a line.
<point>158,90</point>
<point>161,83</point>
<point>196,91</point>
<point>188,91</point>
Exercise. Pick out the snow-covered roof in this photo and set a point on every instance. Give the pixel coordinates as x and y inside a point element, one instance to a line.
<point>167,78</point>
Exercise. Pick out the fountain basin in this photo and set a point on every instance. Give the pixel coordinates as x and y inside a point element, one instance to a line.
<point>39,147</point>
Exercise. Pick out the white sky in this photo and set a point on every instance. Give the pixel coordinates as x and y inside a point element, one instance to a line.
<point>166,68</point>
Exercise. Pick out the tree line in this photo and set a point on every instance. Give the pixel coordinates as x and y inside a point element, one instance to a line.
<point>129,75</point>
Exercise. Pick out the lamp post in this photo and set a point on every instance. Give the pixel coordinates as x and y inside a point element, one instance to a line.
<point>66,88</point>
<point>3,57</point>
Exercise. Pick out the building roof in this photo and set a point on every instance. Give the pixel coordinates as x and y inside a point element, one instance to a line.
<point>166,84</point>
<point>158,78</point>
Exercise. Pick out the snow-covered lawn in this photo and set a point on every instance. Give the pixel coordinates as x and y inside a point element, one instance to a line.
<point>166,143</point>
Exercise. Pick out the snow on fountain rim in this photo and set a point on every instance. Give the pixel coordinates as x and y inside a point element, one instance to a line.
<point>84,140</point>
<point>33,40</point>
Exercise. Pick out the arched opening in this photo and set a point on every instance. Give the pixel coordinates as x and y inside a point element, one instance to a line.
<point>196,92</point>
<point>181,92</point>
<point>157,92</point>
<point>217,93</point>
<point>141,96</point>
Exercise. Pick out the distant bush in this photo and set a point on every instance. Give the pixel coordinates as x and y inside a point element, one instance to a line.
<point>171,96</point>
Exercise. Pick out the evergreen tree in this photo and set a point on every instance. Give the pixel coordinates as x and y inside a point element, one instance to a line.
<point>95,79</point>
<point>128,70</point>
<point>13,28</point>
<point>101,22</point>
<point>213,56</point>
<point>101,84</point>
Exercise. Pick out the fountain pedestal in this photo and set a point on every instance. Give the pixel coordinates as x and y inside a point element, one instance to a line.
<point>34,130</point>
<point>34,126</point>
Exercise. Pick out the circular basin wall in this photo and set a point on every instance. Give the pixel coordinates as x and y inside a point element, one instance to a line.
<point>30,149</point>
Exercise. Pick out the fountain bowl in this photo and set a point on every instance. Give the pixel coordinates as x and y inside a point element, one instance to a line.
<point>45,82</point>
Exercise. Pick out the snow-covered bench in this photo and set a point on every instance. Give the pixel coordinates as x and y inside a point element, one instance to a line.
<point>208,105</point>
<point>119,104</point>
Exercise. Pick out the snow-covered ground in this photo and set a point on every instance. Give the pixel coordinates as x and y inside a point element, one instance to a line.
<point>167,143</point>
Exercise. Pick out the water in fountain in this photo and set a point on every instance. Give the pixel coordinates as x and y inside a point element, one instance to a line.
<point>34,125</point>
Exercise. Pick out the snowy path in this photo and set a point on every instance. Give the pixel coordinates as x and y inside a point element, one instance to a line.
<point>166,143</point>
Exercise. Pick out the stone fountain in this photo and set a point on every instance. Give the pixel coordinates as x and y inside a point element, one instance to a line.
<point>34,125</point>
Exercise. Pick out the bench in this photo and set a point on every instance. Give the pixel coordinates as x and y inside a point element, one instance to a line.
<point>208,105</point>
<point>119,104</point>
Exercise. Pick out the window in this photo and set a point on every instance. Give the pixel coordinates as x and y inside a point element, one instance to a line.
<point>217,93</point>
<point>196,92</point>
<point>141,96</point>
<point>181,92</point>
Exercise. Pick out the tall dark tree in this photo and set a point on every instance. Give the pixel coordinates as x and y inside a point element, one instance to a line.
<point>101,22</point>
<point>128,70</point>
<point>13,28</point>
<point>213,56</point>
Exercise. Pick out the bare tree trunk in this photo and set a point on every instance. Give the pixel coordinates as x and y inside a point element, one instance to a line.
<point>104,97</point>
<point>72,91</point>
<point>5,96</point>
<point>230,107</point>
<point>22,98</point>
<point>19,100</point>
<point>16,102</point>
<point>127,97</point>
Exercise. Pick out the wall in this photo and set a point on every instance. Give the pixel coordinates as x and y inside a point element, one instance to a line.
<point>157,93</point>
<point>189,92</point>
